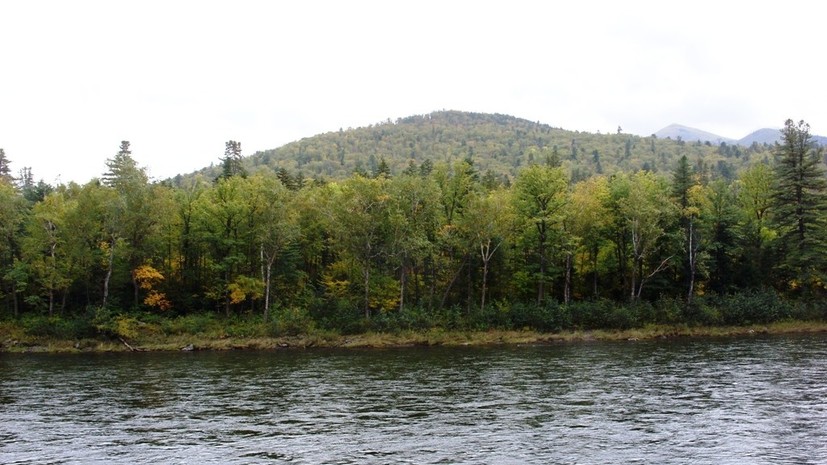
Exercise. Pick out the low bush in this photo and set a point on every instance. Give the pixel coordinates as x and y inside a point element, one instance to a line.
<point>754,307</point>
<point>196,323</point>
<point>58,327</point>
<point>291,321</point>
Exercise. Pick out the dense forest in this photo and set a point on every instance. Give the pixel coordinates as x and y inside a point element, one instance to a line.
<point>499,146</point>
<point>514,225</point>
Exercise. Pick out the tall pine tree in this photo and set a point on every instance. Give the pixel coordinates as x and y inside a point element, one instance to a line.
<point>800,200</point>
<point>231,163</point>
<point>5,170</point>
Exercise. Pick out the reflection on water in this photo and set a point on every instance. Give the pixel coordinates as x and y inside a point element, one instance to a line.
<point>746,401</point>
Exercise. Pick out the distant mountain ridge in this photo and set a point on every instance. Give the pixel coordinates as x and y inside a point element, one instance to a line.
<point>761,136</point>
<point>688,134</point>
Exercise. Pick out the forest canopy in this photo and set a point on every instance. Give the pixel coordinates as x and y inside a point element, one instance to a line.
<point>450,219</point>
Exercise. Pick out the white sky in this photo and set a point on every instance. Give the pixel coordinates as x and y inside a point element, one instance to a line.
<point>179,78</point>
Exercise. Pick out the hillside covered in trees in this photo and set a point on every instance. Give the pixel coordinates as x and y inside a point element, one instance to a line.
<point>481,221</point>
<point>499,147</point>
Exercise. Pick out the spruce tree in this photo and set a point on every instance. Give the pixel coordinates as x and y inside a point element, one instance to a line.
<point>800,199</point>
<point>231,162</point>
<point>5,170</point>
<point>382,169</point>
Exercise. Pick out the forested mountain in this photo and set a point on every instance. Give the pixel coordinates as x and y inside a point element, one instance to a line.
<point>498,145</point>
<point>452,220</point>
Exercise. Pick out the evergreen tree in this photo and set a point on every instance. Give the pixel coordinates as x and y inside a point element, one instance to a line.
<point>382,169</point>
<point>800,199</point>
<point>25,180</point>
<point>411,170</point>
<point>286,179</point>
<point>33,192</point>
<point>132,217</point>
<point>723,238</point>
<point>231,162</point>
<point>553,160</point>
<point>5,170</point>
<point>426,168</point>
<point>123,169</point>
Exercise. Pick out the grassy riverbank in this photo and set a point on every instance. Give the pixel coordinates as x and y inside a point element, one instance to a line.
<point>13,338</point>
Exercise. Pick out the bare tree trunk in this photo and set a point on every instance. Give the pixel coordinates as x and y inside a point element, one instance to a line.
<point>692,263</point>
<point>541,285</point>
<point>52,283</point>
<point>453,280</point>
<point>267,290</point>
<point>431,271</point>
<point>470,290</point>
<point>366,274</point>
<point>567,286</point>
<point>402,280</point>
<point>135,288</point>
<point>594,272</point>
<point>417,285</point>
<point>15,300</point>
<point>227,294</point>
<point>486,253</point>
<point>657,270</point>
<point>108,273</point>
<point>484,284</point>
<point>637,263</point>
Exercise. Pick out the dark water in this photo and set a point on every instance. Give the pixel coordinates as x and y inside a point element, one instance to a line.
<point>760,400</point>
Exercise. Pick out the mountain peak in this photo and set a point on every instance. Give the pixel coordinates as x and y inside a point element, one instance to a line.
<point>761,136</point>
<point>688,134</point>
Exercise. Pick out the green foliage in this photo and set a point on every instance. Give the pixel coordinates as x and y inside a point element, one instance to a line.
<point>602,314</point>
<point>196,323</point>
<point>497,143</point>
<point>58,327</point>
<point>800,200</point>
<point>536,242</point>
<point>116,324</point>
<point>292,321</point>
<point>231,163</point>
<point>754,307</point>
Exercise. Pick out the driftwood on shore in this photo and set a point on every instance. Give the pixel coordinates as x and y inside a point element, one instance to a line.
<point>132,349</point>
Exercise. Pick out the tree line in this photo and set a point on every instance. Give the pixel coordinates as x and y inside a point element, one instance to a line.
<point>433,244</point>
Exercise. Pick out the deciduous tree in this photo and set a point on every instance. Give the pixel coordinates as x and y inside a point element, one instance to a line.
<point>539,196</point>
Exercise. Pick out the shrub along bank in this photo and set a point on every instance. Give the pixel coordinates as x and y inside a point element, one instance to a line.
<point>105,329</point>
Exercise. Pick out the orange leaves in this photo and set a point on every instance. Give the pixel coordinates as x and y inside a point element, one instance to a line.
<point>147,277</point>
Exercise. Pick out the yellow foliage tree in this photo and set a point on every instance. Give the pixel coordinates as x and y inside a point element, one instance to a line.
<point>147,278</point>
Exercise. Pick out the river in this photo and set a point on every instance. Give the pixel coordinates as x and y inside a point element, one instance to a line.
<point>754,400</point>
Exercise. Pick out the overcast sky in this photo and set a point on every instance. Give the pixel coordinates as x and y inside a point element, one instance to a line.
<point>179,78</point>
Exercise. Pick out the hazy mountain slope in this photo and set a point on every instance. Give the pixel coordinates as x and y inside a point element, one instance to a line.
<point>688,134</point>
<point>761,136</point>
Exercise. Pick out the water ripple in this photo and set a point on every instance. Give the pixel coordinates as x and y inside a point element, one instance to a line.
<point>759,400</point>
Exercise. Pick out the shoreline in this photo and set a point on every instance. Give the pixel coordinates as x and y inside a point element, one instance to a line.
<point>429,338</point>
